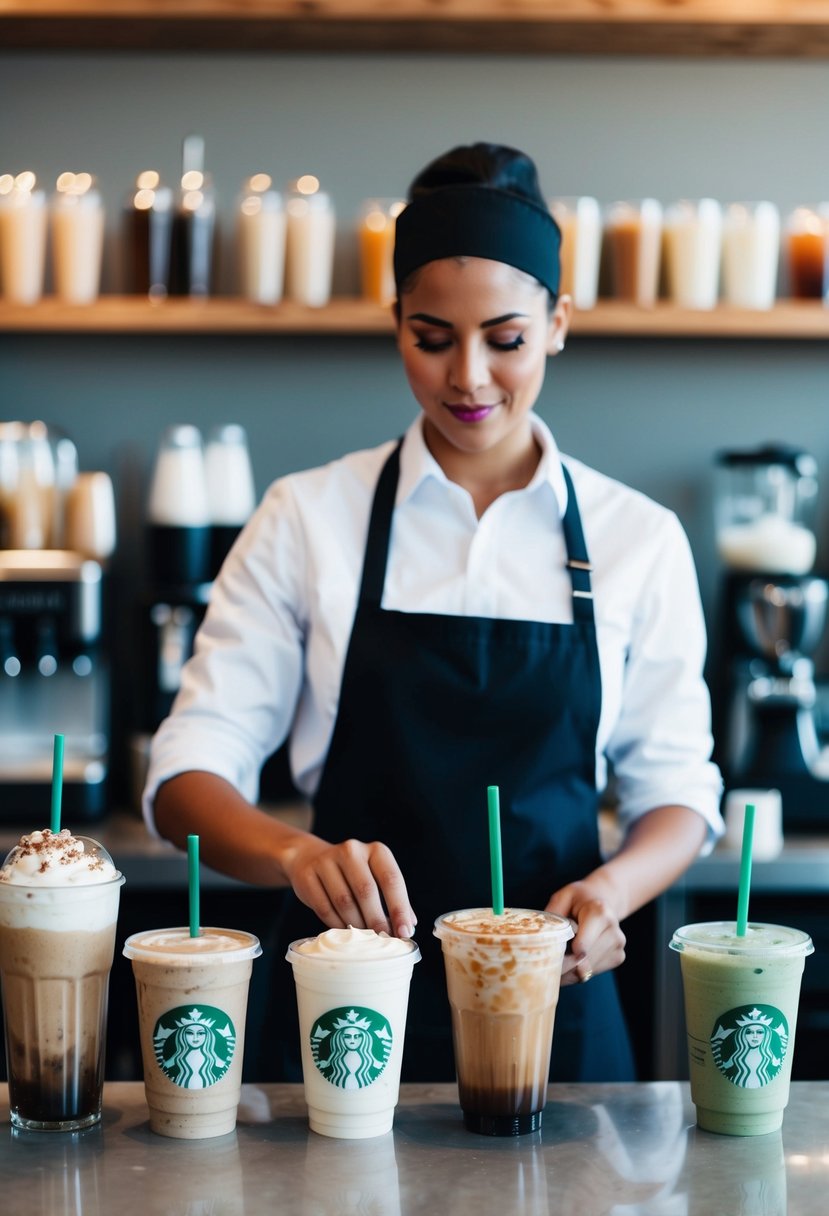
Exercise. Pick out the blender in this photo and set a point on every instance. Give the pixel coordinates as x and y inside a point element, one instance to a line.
<point>772,619</point>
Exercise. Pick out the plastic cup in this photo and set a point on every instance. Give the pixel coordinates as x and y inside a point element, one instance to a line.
<point>192,1005</point>
<point>352,1022</point>
<point>56,950</point>
<point>741,999</point>
<point>503,975</point>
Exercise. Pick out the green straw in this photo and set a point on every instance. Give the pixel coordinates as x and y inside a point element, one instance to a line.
<point>57,782</point>
<point>495,865</point>
<point>745,871</point>
<point>193,883</point>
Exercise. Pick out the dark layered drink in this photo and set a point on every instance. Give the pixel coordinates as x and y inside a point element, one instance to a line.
<point>59,897</point>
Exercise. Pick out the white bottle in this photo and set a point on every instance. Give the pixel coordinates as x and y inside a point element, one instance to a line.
<point>693,235</point>
<point>230,491</point>
<point>77,238</point>
<point>310,244</point>
<point>261,241</point>
<point>178,533</point>
<point>178,490</point>
<point>23,215</point>
<point>231,495</point>
<point>750,253</point>
<point>580,222</point>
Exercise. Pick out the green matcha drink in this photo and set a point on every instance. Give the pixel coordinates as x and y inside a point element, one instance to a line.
<point>741,997</point>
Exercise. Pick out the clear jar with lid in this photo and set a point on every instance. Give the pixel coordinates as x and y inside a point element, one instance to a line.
<point>765,508</point>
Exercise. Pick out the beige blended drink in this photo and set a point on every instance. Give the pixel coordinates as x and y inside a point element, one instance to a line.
<point>59,898</point>
<point>192,1005</point>
<point>352,990</point>
<point>502,975</point>
<point>741,999</point>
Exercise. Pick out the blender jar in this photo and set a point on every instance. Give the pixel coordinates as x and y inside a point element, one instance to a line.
<point>765,509</point>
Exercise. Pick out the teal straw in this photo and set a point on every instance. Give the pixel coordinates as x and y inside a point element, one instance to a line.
<point>193,883</point>
<point>745,871</point>
<point>495,864</point>
<point>57,782</point>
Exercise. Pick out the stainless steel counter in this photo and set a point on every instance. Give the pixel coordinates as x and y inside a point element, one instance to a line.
<point>625,1150</point>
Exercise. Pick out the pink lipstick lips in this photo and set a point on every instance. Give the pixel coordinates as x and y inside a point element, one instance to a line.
<point>470,413</point>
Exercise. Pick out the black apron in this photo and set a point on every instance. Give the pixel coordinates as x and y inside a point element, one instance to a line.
<point>432,710</point>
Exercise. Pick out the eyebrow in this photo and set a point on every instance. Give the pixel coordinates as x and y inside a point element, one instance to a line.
<point>441,324</point>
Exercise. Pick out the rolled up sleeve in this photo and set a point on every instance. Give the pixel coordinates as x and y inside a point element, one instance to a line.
<point>660,749</point>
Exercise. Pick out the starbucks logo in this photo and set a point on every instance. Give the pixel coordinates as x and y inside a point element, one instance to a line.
<point>749,1044</point>
<point>194,1047</point>
<point>351,1046</point>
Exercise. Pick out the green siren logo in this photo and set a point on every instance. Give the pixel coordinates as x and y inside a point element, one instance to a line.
<point>194,1047</point>
<point>749,1044</point>
<point>351,1046</point>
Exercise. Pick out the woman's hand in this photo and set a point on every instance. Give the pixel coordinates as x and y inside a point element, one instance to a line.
<point>349,884</point>
<point>599,943</point>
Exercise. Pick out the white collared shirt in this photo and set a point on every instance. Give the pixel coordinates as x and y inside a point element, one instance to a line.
<point>269,657</point>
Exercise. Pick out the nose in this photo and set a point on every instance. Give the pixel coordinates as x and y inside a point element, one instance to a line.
<point>469,369</point>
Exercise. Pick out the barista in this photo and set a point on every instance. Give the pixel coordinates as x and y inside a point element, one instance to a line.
<point>461,608</point>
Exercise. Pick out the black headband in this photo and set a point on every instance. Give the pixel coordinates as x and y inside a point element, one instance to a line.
<point>478,222</point>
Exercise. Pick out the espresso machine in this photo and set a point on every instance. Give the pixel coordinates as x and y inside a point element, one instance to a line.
<point>54,679</point>
<point>57,531</point>
<point>772,616</point>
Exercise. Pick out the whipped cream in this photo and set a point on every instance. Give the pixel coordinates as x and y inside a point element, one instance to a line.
<point>355,944</point>
<point>178,947</point>
<point>49,859</point>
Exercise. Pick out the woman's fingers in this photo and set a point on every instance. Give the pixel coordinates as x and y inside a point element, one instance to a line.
<point>598,944</point>
<point>353,883</point>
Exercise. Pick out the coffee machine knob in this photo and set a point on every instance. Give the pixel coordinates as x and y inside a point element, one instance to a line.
<point>8,658</point>
<point>46,647</point>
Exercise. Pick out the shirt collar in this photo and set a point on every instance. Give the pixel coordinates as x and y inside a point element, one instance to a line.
<point>417,464</point>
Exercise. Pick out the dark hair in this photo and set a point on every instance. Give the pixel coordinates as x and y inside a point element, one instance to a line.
<point>482,164</point>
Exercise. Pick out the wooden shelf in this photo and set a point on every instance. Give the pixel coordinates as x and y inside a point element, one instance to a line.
<point>676,27</point>
<point>789,319</point>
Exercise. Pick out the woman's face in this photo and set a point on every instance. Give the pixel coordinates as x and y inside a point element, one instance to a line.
<point>474,336</point>
<point>195,1036</point>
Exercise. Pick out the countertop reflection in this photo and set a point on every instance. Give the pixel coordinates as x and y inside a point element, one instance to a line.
<point>604,1150</point>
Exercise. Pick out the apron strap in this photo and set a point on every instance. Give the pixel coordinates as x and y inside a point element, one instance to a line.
<point>578,562</point>
<point>379,534</point>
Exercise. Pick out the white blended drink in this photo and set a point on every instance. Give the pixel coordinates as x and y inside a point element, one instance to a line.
<point>352,989</point>
<point>59,897</point>
<point>741,998</point>
<point>192,1005</point>
<point>503,974</point>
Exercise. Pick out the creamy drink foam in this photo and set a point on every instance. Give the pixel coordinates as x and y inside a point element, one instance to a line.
<point>352,988</point>
<point>192,1005</point>
<point>502,976</point>
<point>741,999</point>
<point>59,898</point>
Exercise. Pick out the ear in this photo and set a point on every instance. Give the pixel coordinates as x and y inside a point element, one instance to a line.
<point>559,325</point>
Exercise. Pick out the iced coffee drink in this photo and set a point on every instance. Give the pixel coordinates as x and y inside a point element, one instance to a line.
<point>352,989</point>
<point>192,1006</point>
<point>502,975</point>
<point>59,898</point>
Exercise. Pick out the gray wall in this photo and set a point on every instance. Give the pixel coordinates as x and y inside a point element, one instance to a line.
<point>651,413</point>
